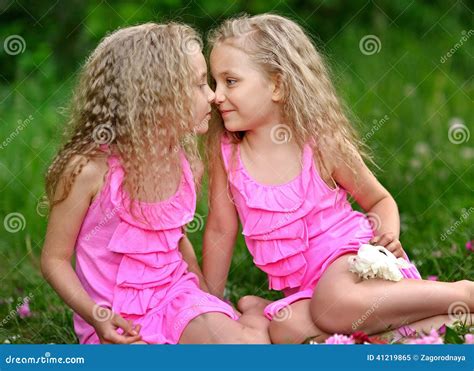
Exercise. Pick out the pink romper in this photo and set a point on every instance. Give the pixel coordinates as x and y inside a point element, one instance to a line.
<point>294,231</point>
<point>136,268</point>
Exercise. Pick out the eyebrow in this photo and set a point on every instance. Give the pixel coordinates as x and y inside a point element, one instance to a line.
<point>226,72</point>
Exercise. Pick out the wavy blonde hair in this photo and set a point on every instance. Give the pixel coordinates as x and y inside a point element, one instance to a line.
<point>134,94</point>
<point>310,105</point>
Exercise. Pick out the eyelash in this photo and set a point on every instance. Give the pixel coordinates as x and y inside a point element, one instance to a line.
<point>227,82</point>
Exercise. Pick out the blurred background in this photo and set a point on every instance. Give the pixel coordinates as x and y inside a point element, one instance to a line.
<point>404,69</point>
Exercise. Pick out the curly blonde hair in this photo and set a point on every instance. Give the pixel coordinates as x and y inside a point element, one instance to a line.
<point>134,94</point>
<point>310,105</point>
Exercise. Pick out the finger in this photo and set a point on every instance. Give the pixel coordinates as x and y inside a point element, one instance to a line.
<point>126,326</point>
<point>385,240</point>
<point>396,251</point>
<point>393,246</point>
<point>116,338</point>
<point>374,240</point>
<point>138,327</point>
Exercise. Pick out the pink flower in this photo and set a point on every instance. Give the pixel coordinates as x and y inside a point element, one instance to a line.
<point>24,310</point>
<point>432,338</point>
<point>432,278</point>
<point>406,331</point>
<point>442,330</point>
<point>469,339</point>
<point>339,339</point>
<point>469,245</point>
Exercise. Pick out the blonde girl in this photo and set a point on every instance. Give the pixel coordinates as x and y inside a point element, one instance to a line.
<point>121,190</point>
<point>283,158</point>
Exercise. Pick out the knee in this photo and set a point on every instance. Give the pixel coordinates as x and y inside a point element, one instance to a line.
<point>336,313</point>
<point>281,332</point>
<point>248,302</point>
<point>245,302</point>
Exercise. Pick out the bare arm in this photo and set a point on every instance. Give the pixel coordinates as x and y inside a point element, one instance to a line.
<point>375,200</point>
<point>220,232</point>
<point>64,223</point>
<point>190,258</point>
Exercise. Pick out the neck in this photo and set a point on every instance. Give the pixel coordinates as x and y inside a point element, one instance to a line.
<point>269,137</point>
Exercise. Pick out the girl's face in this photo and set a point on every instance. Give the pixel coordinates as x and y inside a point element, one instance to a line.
<point>203,95</point>
<point>244,95</point>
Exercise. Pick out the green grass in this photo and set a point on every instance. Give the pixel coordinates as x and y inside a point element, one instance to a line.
<point>429,176</point>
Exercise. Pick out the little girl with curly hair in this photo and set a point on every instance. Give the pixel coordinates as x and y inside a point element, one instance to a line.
<point>123,187</point>
<point>283,159</point>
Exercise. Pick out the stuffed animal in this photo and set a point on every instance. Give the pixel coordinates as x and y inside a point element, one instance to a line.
<point>377,262</point>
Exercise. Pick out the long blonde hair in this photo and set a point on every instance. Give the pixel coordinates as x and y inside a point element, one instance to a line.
<point>134,94</point>
<point>310,105</point>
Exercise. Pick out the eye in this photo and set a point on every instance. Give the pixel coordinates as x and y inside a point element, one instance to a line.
<point>230,82</point>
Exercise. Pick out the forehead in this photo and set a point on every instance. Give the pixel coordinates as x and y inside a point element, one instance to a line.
<point>198,62</point>
<point>228,57</point>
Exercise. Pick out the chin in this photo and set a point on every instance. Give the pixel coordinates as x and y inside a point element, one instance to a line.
<point>202,128</point>
<point>232,127</point>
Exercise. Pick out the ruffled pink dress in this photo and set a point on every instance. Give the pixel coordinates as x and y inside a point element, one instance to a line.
<point>294,231</point>
<point>135,267</point>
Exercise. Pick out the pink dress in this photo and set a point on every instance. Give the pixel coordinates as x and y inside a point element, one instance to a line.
<point>294,231</point>
<point>136,268</point>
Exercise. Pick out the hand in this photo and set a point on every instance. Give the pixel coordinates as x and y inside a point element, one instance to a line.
<point>106,328</point>
<point>391,243</point>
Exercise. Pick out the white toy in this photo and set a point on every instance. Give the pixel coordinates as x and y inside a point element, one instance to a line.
<point>377,262</point>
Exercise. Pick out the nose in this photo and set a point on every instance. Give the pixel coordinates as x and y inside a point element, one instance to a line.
<point>219,97</point>
<point>211,96</point>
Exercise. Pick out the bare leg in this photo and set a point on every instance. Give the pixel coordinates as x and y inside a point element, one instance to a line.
<point>252,308</point>
<point>344,303</point>
<point>297,326</point>
<point>218,328</point>
<point>294,325</point>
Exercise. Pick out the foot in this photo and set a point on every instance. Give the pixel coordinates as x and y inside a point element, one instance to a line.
<point>252,303</point>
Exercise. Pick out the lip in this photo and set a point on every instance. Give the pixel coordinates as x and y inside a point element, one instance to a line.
<point>226,112</point>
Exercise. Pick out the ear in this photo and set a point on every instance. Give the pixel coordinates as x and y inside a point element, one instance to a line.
<point>277,85</point>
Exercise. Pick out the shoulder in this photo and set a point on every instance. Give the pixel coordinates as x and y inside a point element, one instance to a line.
<point>84,175</point>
